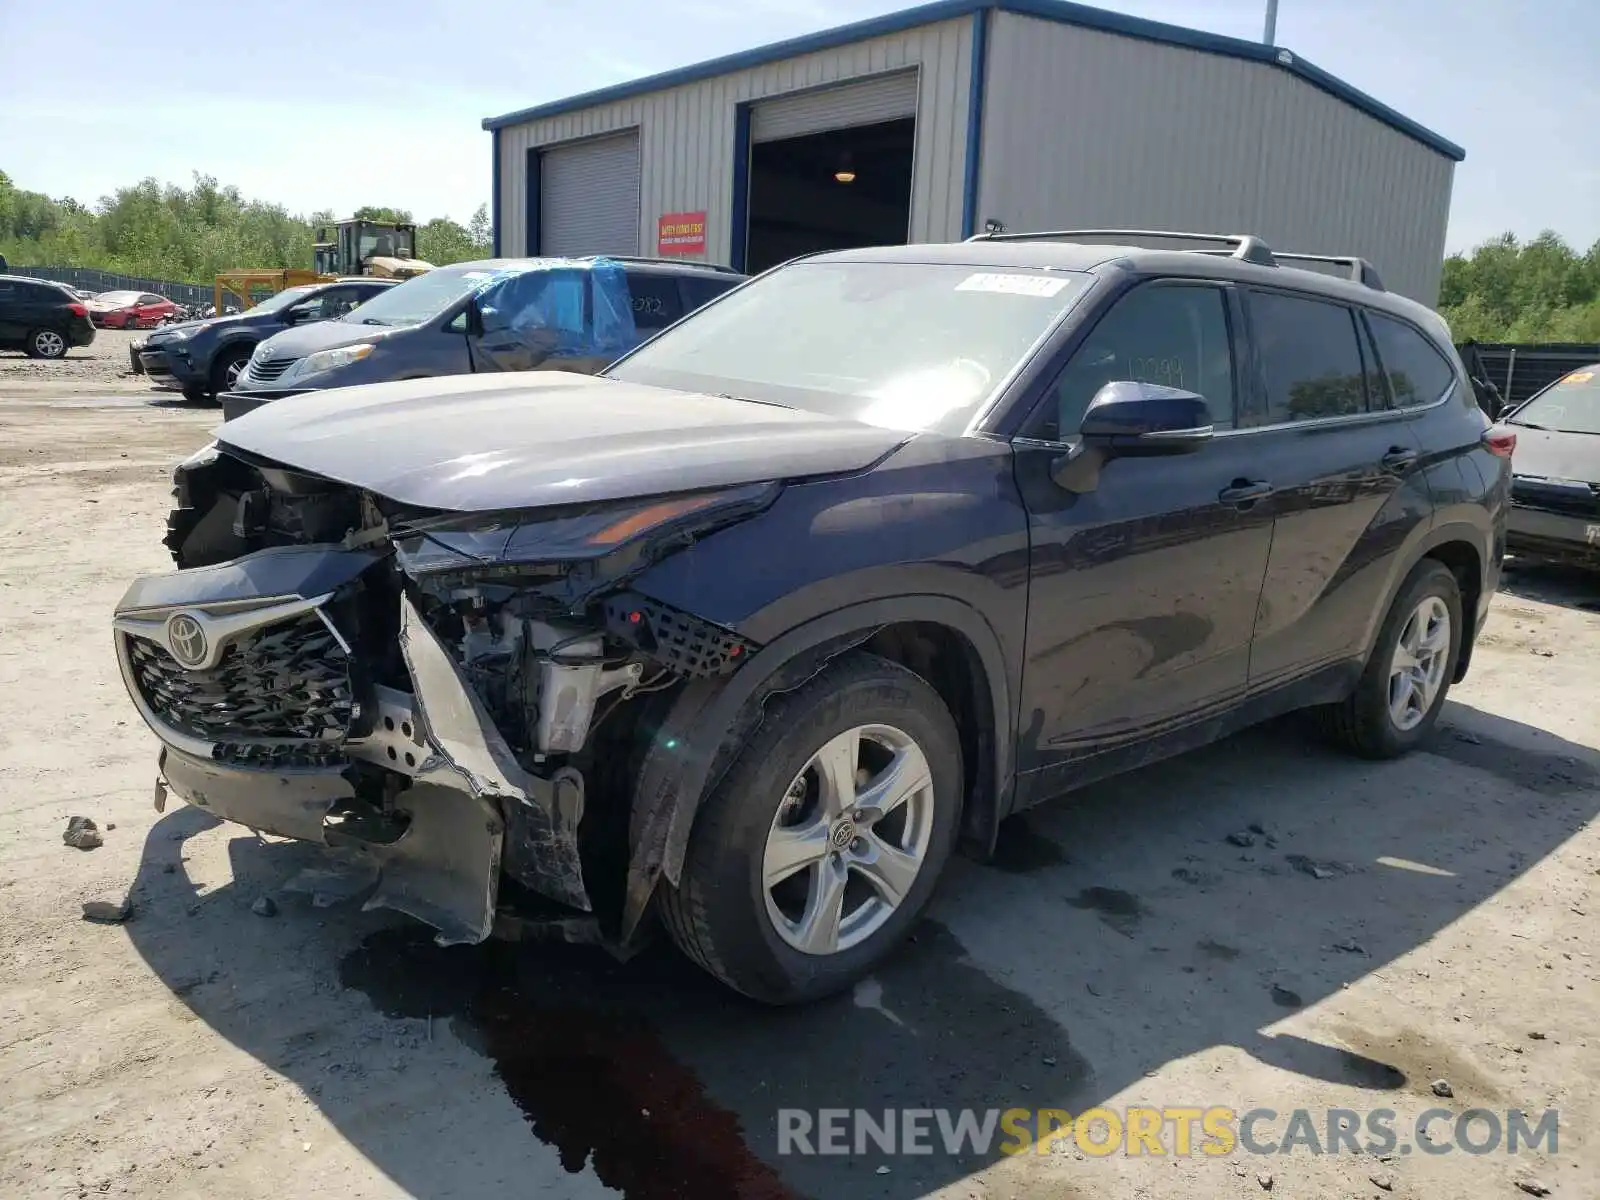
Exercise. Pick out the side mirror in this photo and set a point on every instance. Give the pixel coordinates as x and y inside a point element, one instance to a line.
<point>474,318</point>
<point>293,316</point>
<point>1128,418</point>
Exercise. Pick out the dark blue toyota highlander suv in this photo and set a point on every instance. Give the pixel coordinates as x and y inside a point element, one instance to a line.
<point>752,629</point>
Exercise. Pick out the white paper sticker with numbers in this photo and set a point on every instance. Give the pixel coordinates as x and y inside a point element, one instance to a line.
<point>1014,285</point>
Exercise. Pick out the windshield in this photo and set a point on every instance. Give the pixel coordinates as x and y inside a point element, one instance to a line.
<point>1571,405</point>
<point>902,345</point>
<point>281,299</point>
<point>421,299</point>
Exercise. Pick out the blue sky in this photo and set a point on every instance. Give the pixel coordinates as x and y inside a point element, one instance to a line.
<point>360,102</point>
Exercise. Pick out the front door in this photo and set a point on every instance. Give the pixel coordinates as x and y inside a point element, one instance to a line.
<point>1143,589</point>
<point>538,319</point>
<point>1347,480</point>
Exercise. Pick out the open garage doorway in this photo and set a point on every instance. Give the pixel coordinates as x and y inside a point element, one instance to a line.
<point>830,191</point>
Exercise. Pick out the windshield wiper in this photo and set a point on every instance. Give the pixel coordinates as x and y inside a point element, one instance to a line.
<point>1529,425</point>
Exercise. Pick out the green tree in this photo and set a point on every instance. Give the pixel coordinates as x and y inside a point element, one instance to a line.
<point>190,234</point>
<point>1537,291</point>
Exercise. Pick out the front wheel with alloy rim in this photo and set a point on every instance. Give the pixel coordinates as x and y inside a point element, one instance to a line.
<point>1402,690</point>
<point>46,343</point>
<point>229,366</point>
<point>826,836</point>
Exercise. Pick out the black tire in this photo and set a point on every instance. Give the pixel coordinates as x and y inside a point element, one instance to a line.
<point>195,394</point>
<point>229,363</point>
<point>719,917</point>
<point>46,343</point>
<point>1362,724</point>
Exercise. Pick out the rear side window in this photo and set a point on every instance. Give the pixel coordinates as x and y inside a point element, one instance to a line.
<point>656,303</point>
<point>698,290</point>
<point>1418,373</point>
<point>1310,358</point>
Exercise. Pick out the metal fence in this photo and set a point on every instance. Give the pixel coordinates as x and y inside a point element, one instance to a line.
<point>190,294</point>
<point>1519,370</point>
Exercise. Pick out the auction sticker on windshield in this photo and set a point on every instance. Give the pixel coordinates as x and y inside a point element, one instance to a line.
<point>1013,285</point>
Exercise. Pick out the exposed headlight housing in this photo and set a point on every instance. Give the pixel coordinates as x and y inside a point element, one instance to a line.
<point>478,541</point>
<point>331,360</point>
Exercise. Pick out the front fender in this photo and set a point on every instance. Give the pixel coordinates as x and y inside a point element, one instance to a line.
<point>690,751</point>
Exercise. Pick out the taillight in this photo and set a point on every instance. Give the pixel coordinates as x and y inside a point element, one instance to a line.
<point>77,309</point>
<point>1500,439</point>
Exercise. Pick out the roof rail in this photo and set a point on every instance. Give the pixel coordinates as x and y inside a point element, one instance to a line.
<point>1246,247</point>
<point>666,262</point>
<point>1357,270</point>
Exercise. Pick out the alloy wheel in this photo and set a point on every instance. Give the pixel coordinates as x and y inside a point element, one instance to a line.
<point>49,344</point>
<point>849,840</point>
<point>1421,657</point>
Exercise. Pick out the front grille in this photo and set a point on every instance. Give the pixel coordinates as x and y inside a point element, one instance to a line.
<point>267,369</point>
<point>1570,500</point>
<point>290,680</point>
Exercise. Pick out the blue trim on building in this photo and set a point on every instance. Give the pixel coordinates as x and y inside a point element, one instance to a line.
<point>975,94</point>
<point>739,243</point>
<point>494,196</point>
<point>1048,10</point>
<point>533,178</point>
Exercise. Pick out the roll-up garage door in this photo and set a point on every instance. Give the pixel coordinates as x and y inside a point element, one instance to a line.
<point>865,102</point>
<point>589,196</point>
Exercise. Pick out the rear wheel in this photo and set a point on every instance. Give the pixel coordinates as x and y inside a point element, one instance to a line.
<point>1398,699</point>
<point>229,366</point>
<point>195,394</point>
<point>46,343</point>
<point>825,839</point>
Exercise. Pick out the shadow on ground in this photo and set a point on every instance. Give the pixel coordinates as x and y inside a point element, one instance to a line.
<point>1570,587</point>
<point>1114,934</point>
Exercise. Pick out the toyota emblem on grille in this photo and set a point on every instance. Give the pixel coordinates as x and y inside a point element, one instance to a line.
<point>187,640</point>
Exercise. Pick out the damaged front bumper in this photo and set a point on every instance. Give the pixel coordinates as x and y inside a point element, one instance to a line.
<point>253,675</point>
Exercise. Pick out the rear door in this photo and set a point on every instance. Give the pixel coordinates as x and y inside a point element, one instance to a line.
<point>1347,487</point>
<point>13,314</point>
<point>1143,590</point>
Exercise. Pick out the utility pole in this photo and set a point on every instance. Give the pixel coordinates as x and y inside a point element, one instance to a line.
<point>1270,34</point>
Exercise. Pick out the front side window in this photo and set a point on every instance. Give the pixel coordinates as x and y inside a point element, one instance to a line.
<point>1310,358</point>
<point>1417,372</point>
<point>1570,405</point>
<point>1175,335</point>
<point>897,344</point>
<point>550,300</point>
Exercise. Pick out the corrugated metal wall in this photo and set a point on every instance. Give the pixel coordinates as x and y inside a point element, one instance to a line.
<point>687,135</point>
<point>1083,128</point>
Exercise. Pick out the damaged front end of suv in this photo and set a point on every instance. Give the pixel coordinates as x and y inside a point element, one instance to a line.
<point>442,693</point>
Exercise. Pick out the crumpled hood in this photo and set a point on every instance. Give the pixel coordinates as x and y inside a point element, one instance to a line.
<point>301,340</point>
<point>1550,454</point>
<point>481,443</point>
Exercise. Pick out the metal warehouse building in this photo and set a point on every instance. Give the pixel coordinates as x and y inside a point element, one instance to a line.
<point>929,124</point>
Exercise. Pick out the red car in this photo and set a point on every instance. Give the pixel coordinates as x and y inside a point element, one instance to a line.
<point>130,310</point>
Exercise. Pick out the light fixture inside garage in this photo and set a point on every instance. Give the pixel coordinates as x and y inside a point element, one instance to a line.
<point>846,172</point>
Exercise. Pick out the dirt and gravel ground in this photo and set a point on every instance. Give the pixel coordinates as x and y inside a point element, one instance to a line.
<point>100,368</point>
<point>1382,927</point>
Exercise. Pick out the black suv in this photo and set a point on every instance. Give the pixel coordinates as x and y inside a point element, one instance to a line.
<point>203,358</point>
<point>875,550</point>
<point>41,318</point>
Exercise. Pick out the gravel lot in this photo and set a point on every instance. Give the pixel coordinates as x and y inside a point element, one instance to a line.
<point>100,368</point>
<point>1382,928</point>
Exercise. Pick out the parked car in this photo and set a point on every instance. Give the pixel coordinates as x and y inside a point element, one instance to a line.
<point>41,318</point>
<point>1555,486</point>
<point>130,310</point>
<point>497,315</point>
<point>842,569</point>
<point>203,358</point>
